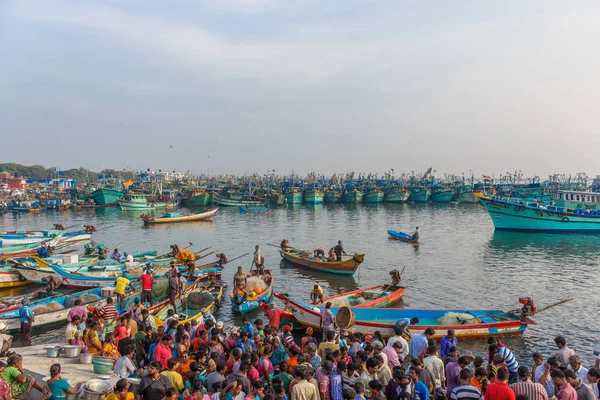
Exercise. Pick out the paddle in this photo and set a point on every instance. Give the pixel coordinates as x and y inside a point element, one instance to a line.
<point>287,247</point>
<point>462,321</point>
<point>206,255</point>
<point>198,252</point>
<point>389,284</point>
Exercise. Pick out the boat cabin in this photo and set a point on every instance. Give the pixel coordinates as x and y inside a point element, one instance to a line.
<point>577,199</point>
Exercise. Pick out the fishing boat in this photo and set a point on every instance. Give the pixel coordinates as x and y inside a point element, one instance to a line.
<point>196,198</point>
<point>293,195</point>
<point>577,199</point>
<point>510,215</point>
<point>238,200</point>
<point>352,196</point>
<point>107,196</point>
<point>86,280</point>
<point>250,298</point>
<point>275,198</point>
<point>178,217</point>
<point>332,196</point>
<point>196,300</point>
<point>466,323</point>
<point>419,194</point>
<point>402,236</point>
<point>38,274</point>
<point>396,194</point>
<point>28,249</point>
<point>253,209</point>
<point>441,194</point>
<point>373,195</point>
<point>306,259</point>
<point>9,239</point>
<point>139,201</point>
<point>10,278</point>
<point>53,310</point>
<point>313,195</point>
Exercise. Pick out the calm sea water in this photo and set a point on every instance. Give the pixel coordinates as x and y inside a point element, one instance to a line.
<point>460,263</point>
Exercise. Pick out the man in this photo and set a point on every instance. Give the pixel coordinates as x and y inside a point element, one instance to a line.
<point>191,270</point>
<point>584,392</point>
<point>563,353</point>
<point>378,351</point>
<point>173,275</point>
<point>424,376</point>
<point>509,360</point>
<point>339,250</point>
<point>575,366</point>
<point>174,377</point>
<point>399,388</point>
<point>399,337</point>
<point>153,386</point>
<point>5,340</point>
<point>181,288</point>
<point>453,369</point>
<point>447,342</point>
<point>163,352</point>
<point>323,380</point>
<point>420,389</point>
<point>393,354</point>
<point>258,261</point>
<point>52,283</point>
<point>499,390</point>
<point>533,391</point>
<point>329,343</point>
<point>464,391</point>
<point>26,317</point>
<point>316,295</point>
<point>319,252</point>
<point>273,315</point>
<point>418,342</point>
<point>72,328</point>
<point>147,282</point>
<point>241,376</point>
<point>222,260</point>
<point>416,233</point>
<point>335,385</point>
<point>369,374</point>
<point>435,366</point>
<point>124,367</point>
<point>593,377</point>
<point>239,279</point>
<point>565,391</point>
<point>313,358</point>
<point>542,375</point>
<point>304,390</point>
<point>116,255</point>
<point>327,320</point>
<point>120,286</point>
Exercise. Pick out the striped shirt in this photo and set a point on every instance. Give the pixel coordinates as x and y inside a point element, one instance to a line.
<point>509,359</point>
<point>465,392</point>
<point>109,312</point>
<point>533,391</point>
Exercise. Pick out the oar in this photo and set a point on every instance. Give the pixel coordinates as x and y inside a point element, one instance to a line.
<point>209,247</point>
<point>462,321</point>
<point>552,305</point>
<point>237,258</point>
<point>206,255</point>
<point>279,247</point>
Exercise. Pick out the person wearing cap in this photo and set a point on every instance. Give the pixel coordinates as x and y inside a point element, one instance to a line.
<point>121,284</point>
<point>26,317</point>
<point>5,340</point>
<point>339,250</point>
<point>147,282</point>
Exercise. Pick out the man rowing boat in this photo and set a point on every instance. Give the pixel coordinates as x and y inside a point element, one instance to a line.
<point>339,250</point>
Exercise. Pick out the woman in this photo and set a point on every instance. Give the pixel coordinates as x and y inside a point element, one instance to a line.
<point>59,386</point>
<point>90,337</point>
<point>78,341</point>
<point>172,329</point>
<point>184,345</point>
<point>120,391</point>
<point>110,347</point>
<point>308,338</point>
<point>4,386</point>
<point>216,346</point>
<point>16,378</point>
<point>121,331</point>
<point>196,392</point>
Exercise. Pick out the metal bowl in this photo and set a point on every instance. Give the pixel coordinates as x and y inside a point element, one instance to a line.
<point>86,358</point>
<point>97,386</point>
<point>53,351</point>
<point>72,351</point>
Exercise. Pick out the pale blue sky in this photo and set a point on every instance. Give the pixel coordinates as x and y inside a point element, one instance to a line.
<point>301,84</point>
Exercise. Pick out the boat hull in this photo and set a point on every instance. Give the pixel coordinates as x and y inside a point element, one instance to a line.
<point>353,197</point>
<point>132,206</point>
<point>374,197</point>
<point>402,236</point>
<point>419,196</point>
<point>332,197</point>
<point>294,197</point>
<point>224,201</point>
<point>468,198</point>
<point>396,196</point>
<point>347,267</point>
<point>444,196</point>
<point>370,320</point>
<point>276,199</point>
<point>183,218</point>
<point>314,198</point>
<point>199,200</point>
<point>510,216</point>
<point>249,305</point>
<point>107,197</point>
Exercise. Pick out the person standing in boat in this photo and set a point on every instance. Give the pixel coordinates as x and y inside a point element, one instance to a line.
<point>239,279</point>
<point>191,270</point>
<point>416,234</point>
<point>222,260</point>
<point>339,250</point>
<point>331,254</point>
<point>258,261</point>
<point>26,317</point>
<point>173,284</point>
<point>327,320</point>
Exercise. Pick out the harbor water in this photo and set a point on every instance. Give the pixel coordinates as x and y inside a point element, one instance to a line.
<point>460,261</point>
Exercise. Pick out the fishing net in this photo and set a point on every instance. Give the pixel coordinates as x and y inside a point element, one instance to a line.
<point>348,301</point>
<point>85,299</point>
<point>160,289</point>
<point>47,308</point>
<point>454,318</point>
<point>253,283</point>
<point>199,300</point>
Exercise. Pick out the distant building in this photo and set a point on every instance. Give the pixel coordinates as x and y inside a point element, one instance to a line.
<point>5,176</point>
<point>17,183</point>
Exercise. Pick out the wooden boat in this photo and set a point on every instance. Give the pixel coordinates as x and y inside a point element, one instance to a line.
<point>372,297</point>
<point>10,278</point>
<point>251,301</point>
<point>37,274</point>
<point>52,310</point>
<point>11,239</point>
<point>402,236</point>
<point>87,280</point>
<point>478,323</point>
<point>305,259</point>
<point>236,200</point>
<point>27,249</point>
<point>202,298</point>
<point>178,217</point>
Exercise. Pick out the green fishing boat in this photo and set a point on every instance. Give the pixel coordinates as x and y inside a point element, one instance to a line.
<point>352,196</point>
<point>293,195</point>
<point>419,194</point>
<point>313,196</point>
<point>441,194</point>
<point>107,196</point>
<point>396,194</point>
<point>139,201</point>
<point>332,196</point>
<point>196,198</point>
<point>373,195</point>
<point>577,200</point>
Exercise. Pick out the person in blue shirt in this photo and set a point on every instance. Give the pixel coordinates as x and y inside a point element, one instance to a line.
<point>26,317</point>
<point>447,342</point>
<point>247,326</point>
<point>335,385</point>
<point>418,342</point>
<point>421,392</point>
<point>59,386</point>
<point>244,343</point>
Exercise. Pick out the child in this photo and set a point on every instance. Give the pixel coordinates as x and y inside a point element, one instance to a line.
<point>359,388</point>
<point>348,394</point>
<point>215,394</point>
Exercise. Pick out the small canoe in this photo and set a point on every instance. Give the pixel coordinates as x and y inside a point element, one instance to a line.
<point>196,300</point>
<point>481,323</point>
<point>403,236</point>
<point>178,217</point>
<point>10,278</point>
<point>306,259</point>
<point>251,300</point>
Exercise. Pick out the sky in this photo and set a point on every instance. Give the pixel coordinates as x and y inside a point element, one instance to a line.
<point>250,86</point>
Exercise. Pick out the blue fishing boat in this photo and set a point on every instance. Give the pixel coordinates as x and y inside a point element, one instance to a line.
<point>87,280</point>
<point>332,196</point>
<point>441,194</point>
<point>352,196</point>
<point>313,195</point>
<point>419,194</point>
<point>396,194</point>
<point>402,236</point>
<point>293,195</point>
<point>243,301</point>
<point>510,215</point>
<point>373,195</point>
<point>465,323</point>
